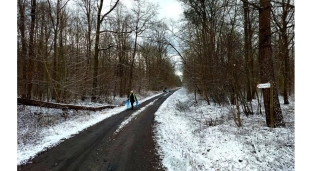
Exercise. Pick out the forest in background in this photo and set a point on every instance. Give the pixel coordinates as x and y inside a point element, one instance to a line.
<point>69,52</point>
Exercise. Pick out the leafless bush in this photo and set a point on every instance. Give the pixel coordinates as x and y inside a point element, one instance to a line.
<point>210,122</point>
<point>183,106</point>
<point>46,120</point>
<point>27,125</point>
<point>108,99</point>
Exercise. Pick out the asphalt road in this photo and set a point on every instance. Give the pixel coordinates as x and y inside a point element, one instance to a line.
<point>98,149</point>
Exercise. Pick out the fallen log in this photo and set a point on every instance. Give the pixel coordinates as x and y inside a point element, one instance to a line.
<point>22,101</point>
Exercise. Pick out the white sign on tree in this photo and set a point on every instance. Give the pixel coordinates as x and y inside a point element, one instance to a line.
<point>264,85</point>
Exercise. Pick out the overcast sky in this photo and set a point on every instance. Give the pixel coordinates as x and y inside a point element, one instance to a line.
<point>170,9</point>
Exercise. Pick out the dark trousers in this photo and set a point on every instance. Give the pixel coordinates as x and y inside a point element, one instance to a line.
<point>132,105</point>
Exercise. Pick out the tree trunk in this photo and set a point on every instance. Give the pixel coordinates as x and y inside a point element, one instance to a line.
<point>266,64</point>
<point>55,62</point>
<point>96,60</point>
<point>285,51</point>
<point>247,47</point>
<point>21,7</point>
<point>100,19</point>
<point>132,61</point>
<point>31,49</point>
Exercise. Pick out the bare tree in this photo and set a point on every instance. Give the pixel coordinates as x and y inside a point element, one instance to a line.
<point>122,40</point>
<point>31,49</point>
<point>60,45</point>
<point>23,53</point>
<point>55,18</point>
<point>266,63</point>
<point>100,19</point>
<point>284,23</point>
<point>247,49</point>
<point>157,40</point>
<point>43,51</point>
<point>88,7</point>
<point>143,13</point>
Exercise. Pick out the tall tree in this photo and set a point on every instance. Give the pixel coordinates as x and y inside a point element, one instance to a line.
<point>143,13</point>
<point>31,52</point>
<point>55,18</point>
<point>88,7</point>
<point>266,63</point>
<point>247,50</point>
<point>122,39</point>
<point>22,30</point>
<point>100,19</point>
<point>43,50</point>
<point>158,41</point>
<point>283,25</point>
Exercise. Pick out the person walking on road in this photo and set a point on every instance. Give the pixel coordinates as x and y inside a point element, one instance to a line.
<point>132,98</point>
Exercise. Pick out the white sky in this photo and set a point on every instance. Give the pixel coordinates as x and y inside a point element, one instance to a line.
<point>170,9</point>
<point>185,142</point>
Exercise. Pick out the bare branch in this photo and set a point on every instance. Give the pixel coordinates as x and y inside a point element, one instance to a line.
<point>116,3</point>
<point>64,5</point>
<point>109,47</point>
<point>116,32</point>
<point>283,3</point>
<point>184,62</point>
<point>252,4</point>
